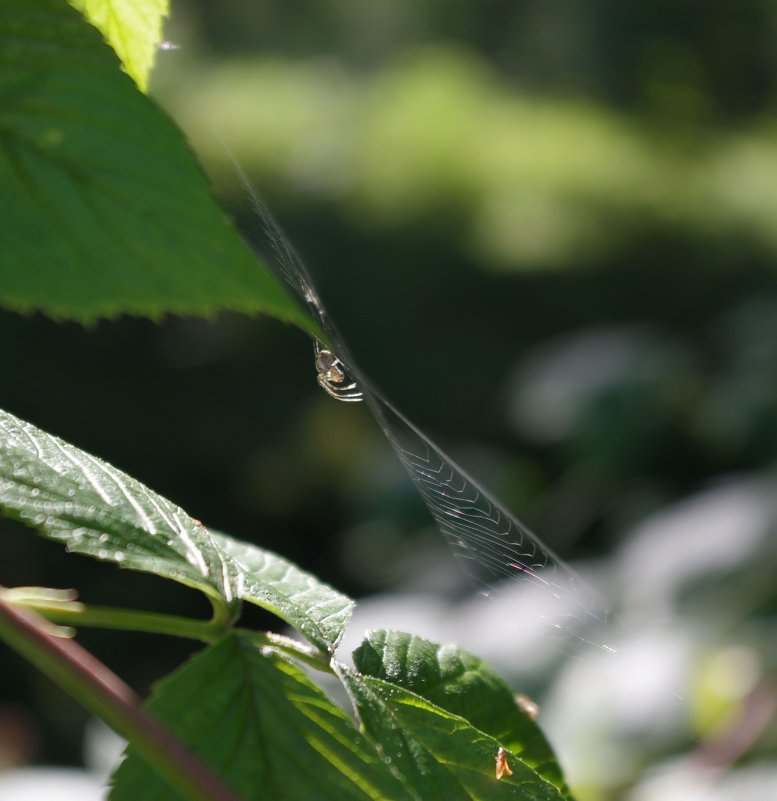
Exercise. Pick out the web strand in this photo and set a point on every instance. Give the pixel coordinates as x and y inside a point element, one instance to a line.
<point>492,545</point>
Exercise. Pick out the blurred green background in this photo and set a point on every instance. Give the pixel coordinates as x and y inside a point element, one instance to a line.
<point>548,231</point>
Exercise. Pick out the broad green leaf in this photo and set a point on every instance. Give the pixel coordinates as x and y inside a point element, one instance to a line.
<point>133,28</point>
<point>104,209</point>
<point>95,509</point>
<point>260,723</point>
<point>440,754</point>
<point>313,608</point>
<point>461,683</point>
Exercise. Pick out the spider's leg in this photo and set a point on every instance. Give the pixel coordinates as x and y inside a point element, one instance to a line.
<point>345,394</point>
<point>327,387</point>
<point>338,392</point>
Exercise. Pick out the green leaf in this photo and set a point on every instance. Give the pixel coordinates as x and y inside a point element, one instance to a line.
<point>104,208</point>
<point>261,724</point>
<point>313,608</point>
<point>133,28</point>
<point>440,754</point>
<point>460,682</point>
<point>97,510</point>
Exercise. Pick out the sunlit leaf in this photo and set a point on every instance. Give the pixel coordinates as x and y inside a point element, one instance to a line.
<point>463,684</point>
<point>133,28</point>
<point>261,724</point>
<point>104,208</point>
<point>313,608</point>
<point>97,510</point>
<point>440,754</point>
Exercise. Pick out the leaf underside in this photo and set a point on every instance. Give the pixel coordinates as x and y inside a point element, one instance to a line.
<point>105,210</point>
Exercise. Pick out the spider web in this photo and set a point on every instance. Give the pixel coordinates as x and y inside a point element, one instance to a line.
<point>491,544</point>
<point>493,547</point>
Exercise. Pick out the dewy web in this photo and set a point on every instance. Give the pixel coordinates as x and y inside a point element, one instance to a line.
<point>493,546</point>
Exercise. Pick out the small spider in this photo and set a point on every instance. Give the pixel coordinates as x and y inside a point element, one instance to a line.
<point>331,376</point>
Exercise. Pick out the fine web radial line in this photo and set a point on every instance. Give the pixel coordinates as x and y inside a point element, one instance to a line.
<point>492,544</point>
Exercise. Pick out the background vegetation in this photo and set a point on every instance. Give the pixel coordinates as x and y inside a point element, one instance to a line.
<point>547,231</point>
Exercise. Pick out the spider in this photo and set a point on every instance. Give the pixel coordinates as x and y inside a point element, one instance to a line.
<point>331,376</point>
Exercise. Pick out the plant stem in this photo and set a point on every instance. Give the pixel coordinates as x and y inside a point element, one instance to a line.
<point>130,620</point>
<point>69,612</point>
<point>60,607</point>
<point>102,692</point>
